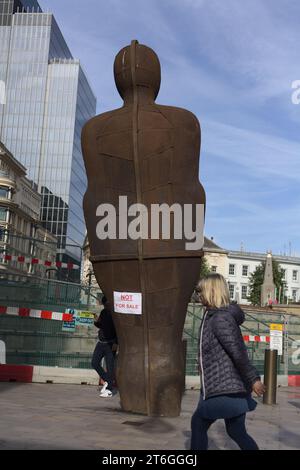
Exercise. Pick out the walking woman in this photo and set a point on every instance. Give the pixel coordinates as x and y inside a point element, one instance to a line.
<point>227,376</point>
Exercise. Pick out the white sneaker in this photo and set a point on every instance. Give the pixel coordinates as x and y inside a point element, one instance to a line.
<point>106,394</point>
<point>104,387</point>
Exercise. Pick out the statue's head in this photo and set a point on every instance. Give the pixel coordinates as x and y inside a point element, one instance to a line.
<point>137,65</point>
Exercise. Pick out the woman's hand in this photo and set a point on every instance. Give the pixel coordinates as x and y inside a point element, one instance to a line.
<point>259,388</point>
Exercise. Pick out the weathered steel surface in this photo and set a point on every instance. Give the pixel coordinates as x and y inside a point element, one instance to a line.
<point>149,153</point>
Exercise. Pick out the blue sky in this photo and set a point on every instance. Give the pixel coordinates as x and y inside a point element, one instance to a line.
<point>232,64</point>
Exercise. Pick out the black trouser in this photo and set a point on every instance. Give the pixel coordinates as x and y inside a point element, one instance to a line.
<point>103,350</point>
<point>235,428</point>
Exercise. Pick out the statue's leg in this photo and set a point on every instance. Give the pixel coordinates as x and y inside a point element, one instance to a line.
<point>150,365</point>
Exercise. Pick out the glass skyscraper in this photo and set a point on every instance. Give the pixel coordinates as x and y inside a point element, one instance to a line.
<point>48,100</point>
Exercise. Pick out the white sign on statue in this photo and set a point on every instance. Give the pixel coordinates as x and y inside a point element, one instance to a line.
<point>128,302</point>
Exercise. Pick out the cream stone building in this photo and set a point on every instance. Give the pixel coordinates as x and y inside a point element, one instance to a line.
<point>241,264</point>
<point>237,267</point>
<point>215,256</point>
<point>21,232</point>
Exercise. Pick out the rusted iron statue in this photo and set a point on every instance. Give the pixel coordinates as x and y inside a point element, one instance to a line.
<point>149,153</point>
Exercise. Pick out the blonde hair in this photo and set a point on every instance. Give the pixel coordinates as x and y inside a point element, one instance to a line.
<point>213,291</point>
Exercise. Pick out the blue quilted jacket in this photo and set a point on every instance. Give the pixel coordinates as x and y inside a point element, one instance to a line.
<point>224,363</point>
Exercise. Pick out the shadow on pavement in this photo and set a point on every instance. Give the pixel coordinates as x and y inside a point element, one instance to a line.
<point>289,438</point>
<point>34,445</point>
<point>295,403</point>
<point>4,386</point>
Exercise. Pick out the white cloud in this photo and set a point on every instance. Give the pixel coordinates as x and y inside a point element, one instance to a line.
<point>264,156</point>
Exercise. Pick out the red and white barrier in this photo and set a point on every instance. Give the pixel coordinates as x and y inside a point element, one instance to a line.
<point>29,312</point>
<point>257,339</point>
<point>16,373</point>
<point>23,259</point>
<point>294,381</point>
<point>43,374</point>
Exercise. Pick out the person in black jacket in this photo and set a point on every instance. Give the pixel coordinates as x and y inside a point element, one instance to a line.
<point>227,375</point>
<point>107,339</point>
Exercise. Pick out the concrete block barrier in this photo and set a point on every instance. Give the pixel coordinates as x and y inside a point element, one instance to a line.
<point>64,375</point>
<point>16,373</point>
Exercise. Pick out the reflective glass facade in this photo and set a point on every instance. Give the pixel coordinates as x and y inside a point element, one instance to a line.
<point>48,100</point>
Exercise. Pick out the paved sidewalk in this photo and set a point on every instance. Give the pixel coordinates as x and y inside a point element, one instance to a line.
<point>44,416</point>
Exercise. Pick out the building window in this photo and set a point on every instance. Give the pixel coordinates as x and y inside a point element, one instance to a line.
<point>231,291</point>
<point>244,292</point>
<point>4,192</point>
<point>2,213</point>
<point>245,270</point>
<point>283,273</point>
<point>294,295</point>
<point>232,269</point>
<point>295,275</point>
<point>4,169</point>
<point>214,269</point>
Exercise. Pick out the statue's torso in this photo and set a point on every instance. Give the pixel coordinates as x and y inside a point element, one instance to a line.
<point>164,165</point>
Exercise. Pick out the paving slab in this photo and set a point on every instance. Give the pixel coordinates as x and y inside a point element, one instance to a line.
<point>57,416</point>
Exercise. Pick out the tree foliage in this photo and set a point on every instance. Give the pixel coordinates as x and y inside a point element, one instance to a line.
<point>205,269</point>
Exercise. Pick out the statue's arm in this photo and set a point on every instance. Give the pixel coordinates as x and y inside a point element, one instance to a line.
<point>194,124</point>
<point>88,142</point>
